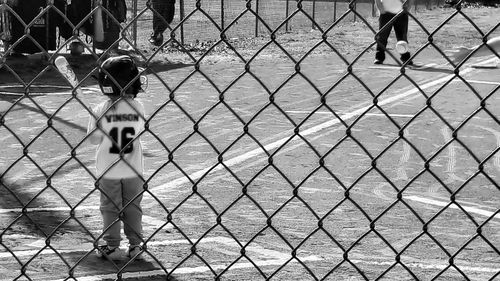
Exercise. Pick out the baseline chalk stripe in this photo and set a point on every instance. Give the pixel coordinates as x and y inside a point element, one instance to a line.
<point>487,64</point>
<point>273,145</point>
<point>482,82</point>
<point>453,206</point>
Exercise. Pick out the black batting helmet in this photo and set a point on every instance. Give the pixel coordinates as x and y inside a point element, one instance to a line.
<point>116,73</point>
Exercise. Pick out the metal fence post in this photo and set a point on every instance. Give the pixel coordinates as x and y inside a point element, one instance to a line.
<point>334,10</point>
<point>354,8</point>
<point>313,14</point>
<point>257,18</point>
<point>222,14</point>
<point>47,27</point>
<point>134,26</point>
<point>286,14</point>
<point>181,18</point>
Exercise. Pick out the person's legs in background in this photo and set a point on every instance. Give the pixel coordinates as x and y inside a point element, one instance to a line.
<point>383,35</point>
<point>163,14</point>
<point>401,30</point>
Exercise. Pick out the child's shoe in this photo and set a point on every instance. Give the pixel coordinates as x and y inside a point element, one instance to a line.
<point>107,252</point>
<point>135,252</point>
<point>156,39</point>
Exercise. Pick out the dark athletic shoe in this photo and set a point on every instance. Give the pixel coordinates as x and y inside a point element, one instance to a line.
<point>156,39</point>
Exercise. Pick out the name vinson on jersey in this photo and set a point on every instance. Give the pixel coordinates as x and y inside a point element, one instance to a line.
<point>122,117</point>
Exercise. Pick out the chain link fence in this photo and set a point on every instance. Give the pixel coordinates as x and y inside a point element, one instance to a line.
<point>280,166</point>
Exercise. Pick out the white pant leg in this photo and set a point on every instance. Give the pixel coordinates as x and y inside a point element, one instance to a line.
<point>111,203</point>
<point>132,215</point>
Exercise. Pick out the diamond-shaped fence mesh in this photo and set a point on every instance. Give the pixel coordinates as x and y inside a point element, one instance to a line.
<point>274,149</point>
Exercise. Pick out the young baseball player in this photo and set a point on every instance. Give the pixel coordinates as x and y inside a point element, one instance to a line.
<point>116,129</point>
<point>389,10</point>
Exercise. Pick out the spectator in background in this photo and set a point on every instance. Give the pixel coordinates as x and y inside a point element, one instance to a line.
<point>388,9</point>
<point>163,14</point>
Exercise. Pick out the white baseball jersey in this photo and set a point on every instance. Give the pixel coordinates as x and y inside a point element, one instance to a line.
<point>122,124</point>
<point>392,6</point>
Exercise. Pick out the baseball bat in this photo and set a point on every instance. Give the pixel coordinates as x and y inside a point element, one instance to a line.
<point>98,23</point>
<point>65,69</point>
<point>6,28</point>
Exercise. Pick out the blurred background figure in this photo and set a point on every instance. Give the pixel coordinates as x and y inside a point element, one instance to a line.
<point>388,10</point>
<point>163,14</point>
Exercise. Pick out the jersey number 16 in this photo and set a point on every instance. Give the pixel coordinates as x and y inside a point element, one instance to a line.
<point>121,139</point>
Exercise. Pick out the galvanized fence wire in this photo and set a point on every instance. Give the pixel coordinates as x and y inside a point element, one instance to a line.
<point>194,182</point>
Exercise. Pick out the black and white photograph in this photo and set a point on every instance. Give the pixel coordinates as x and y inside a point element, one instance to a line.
<point>246,140</point>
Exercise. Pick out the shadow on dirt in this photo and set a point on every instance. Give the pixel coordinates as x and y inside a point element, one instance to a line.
<point>19,206</point>
<point>83,264</point>
<point>39,74</point>
<point>433,69</point>
<point>423,68</point>
<point>92,265</point>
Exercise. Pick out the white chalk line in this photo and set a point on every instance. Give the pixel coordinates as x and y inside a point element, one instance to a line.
<point>483,82</point>
<point>273,145</point>
<point>453,206</point>
<point>248,108</point>
<point>378,190</point>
